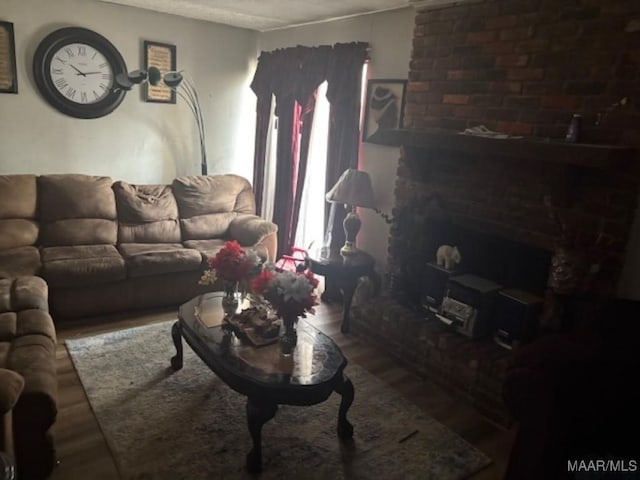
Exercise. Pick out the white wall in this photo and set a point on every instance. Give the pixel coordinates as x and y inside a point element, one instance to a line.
<point>139,142</point>
<point>389,35</point>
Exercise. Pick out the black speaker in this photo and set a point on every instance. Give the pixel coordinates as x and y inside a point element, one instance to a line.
<point>517,315</point>
<point>434,285</point>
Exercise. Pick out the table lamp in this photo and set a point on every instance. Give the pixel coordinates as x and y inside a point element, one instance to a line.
<point>353,188</point>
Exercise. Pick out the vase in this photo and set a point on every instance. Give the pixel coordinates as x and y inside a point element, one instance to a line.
<point>289,338</point>
<point>230,299</point>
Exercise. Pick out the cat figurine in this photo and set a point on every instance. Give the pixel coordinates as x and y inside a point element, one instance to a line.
<point>448,256</point>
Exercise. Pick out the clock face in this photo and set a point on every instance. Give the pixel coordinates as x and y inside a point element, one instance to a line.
<point>81,73</point>
<point>75,70</point>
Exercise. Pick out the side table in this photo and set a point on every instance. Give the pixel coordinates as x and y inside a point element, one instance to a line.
<point>343,272</point>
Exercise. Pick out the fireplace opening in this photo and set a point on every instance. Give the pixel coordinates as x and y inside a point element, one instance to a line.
<point>510,264</point>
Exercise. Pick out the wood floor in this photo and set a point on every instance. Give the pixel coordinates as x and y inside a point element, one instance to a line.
<point>83,452</point>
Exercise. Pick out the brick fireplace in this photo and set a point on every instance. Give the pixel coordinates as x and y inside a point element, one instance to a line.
<point>521,67</point>
<point>532,198</point>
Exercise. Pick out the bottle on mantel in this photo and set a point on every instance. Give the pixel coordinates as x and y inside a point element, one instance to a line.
<point>574,130</point>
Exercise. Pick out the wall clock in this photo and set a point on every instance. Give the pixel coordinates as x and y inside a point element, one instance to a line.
<point>75,70</point>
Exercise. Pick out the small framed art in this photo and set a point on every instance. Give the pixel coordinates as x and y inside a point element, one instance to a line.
<point>384,106</point>
<point>8,74</point>
<point>163,57</point>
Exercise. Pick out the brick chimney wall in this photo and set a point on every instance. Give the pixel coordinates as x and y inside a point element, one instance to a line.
<point>524,67</point>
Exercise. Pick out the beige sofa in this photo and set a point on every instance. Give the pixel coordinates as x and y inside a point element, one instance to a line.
<point>106,247</point>
<point>82,245</point>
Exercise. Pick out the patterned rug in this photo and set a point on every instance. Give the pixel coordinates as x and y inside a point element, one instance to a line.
<point>188,424</point>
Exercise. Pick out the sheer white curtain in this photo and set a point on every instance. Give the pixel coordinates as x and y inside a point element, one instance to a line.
<point>268,191</point>
<point>311,221</point>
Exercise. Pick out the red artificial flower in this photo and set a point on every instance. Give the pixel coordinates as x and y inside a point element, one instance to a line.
<point>230,262</point>
<point>262,281</point>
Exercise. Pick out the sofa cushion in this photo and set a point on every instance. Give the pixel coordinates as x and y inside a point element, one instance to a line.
<point>15,262</point>
<point>249,230</point>
<point>146,213</point>
<point>23,293</point>
<point>82,265</point>
<point>17,232</point>
<point>76,210</point>
<point>207,204</point>
<point>8,328</point>
<point>18,200</point>
<point>143,259</point>
<point>208,248</point>
<point>202,227</point>
<point>18,196</point>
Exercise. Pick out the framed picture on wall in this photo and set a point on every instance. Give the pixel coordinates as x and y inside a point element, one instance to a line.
<point>163,57</point>
<point>8,75</point>
<point>384,106</point>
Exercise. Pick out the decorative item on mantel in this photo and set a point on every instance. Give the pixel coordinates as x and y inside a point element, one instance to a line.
<point>179,83</point>
<point>353,188</point>
<point>291,294</point>
<point>448,256</point>
<point>233,266</point>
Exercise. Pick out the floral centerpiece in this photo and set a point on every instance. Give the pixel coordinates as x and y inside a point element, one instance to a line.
<point>291,294</point>
<point>233,265</point>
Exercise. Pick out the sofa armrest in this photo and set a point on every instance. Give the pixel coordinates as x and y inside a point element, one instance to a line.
<point>250,230</point>
<point>11,387</point>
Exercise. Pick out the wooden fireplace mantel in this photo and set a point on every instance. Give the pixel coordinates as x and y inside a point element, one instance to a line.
<point>530,148</point>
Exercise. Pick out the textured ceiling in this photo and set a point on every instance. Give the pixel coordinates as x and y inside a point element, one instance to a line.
<point>265,15</point>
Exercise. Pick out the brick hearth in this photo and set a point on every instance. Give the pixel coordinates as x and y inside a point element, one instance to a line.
<point>472,369</point>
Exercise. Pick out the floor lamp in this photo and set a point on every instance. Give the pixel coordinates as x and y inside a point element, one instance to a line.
<point>177,82</point>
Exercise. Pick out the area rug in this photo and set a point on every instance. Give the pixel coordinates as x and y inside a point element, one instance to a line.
<point>188,424</point>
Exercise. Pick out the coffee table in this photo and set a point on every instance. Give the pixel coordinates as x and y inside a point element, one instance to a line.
<point>264,375</point>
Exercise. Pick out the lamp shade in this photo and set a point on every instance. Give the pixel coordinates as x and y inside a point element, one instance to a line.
<point>353,188</point>
<point>173,79</point>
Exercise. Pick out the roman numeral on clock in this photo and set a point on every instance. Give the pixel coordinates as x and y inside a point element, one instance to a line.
<point>61,83</point>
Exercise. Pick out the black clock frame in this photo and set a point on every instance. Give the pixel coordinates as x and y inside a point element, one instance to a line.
<point>43,56</point>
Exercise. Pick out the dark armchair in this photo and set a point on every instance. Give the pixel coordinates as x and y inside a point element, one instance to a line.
<point>575,396</point>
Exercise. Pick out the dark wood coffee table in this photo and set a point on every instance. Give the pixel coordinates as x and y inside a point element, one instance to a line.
<point>266,376</point>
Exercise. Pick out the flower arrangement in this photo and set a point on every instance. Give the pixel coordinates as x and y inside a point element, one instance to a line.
<point>232,264</point>
<point>292,294</point>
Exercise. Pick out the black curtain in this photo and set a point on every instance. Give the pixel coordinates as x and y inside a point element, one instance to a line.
<point>293,75</point>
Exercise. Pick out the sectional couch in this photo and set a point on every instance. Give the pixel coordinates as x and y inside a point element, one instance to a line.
<point>76,245</point>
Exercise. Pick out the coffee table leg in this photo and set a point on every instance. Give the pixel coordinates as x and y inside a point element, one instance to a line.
<point>176,335</point>
<point>258,413</point>
<point>345,388</point>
